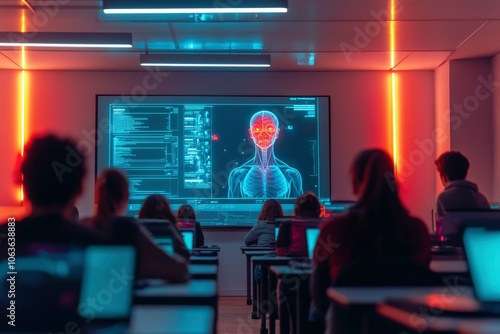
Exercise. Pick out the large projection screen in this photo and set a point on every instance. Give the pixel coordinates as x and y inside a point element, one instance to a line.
<point>224,155</point>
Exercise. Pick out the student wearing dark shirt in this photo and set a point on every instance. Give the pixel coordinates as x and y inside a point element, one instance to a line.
<point>157,206</point>
<point>378,226</point>
<point>307,206</point>
<point>112,199</point>
<point>291,242</point>
<point>458,194</point>
<point>186,213</point>
<point>52,170</point>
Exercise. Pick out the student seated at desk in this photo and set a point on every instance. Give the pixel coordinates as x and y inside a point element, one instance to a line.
<point>458,194</point>
<point>307,206</point>
<point>112,198</point>
<point>51,187</point>
<point>52,193</point>
<point>186,213</point>
<point>378,226</point>
<point>262,233</point>
<point>157,206</point>
<point>291,242</point>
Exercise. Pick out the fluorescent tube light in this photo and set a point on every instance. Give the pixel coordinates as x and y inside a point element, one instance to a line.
<point>192,6</point>
<point>193,10</point>
<point>205,60</point>
<point>66,39</point>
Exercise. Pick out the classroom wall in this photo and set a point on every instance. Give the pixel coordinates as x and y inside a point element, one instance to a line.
<point>471,118</point>
<point>416,173</point>
<point>10,143</point>
<point>442,115</point>
<point>64,102</point>
<point>467,118</point>
<point>496,129</point>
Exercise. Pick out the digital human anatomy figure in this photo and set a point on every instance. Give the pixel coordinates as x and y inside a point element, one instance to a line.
<point>264,176</point>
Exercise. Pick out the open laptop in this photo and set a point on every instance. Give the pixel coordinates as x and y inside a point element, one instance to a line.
<point>167,244</point>
<point>162,231</point>
<point>298,228</point>
<point>107,283</point>
<point>45,285</point>
<point>482,249</point>
<point>188,237</point>
<point>454,222</point>
<point>57,283</point>
<point>188,232</point>
<point>157,227</point>
<point>312,235</point>
<point>276,224</point>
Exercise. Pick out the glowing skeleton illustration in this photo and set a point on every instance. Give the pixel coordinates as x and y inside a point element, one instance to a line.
<point>264,176</point>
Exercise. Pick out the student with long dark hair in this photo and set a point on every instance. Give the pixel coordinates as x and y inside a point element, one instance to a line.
<point>377,227</point>
<point>186,213</point>
<point>262,233</point>
<point>157,206</point>
<point>112,198</point>
<point>307,206</point>
<point>291,242</point>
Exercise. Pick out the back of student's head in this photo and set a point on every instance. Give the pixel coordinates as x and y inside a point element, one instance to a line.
<point>307,206</point>
<point>379,206</point>
<point>453,165</point>
<point>53,170</point>
<point>373,178</point>
<point>271,210</point>
<point>186,212</point>
<point>112,195</point>
<point>157,206</point>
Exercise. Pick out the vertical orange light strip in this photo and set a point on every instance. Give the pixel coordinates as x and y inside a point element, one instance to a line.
<point>394,109</point>
<point>23,99</point>
<point>392,32</point>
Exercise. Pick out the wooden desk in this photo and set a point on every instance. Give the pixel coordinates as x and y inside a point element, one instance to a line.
<point>452,270</point>
<point>447,251</point>
<point>194,292</point>
<point>203,271</point>
<point>266,290</point>
<point>250,277</point>
<point>172,320</point>
<point>207,249</point>
<point>357,305</point>
<point>300,278</point>
<point>480,326</point>
<point>157,319</point>
<point>469,320</point>
<point>374,295</point>
<point>449,266</point>
<point>204,260</point>
<point>245,249</point>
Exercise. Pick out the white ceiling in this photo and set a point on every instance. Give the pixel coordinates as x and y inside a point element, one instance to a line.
<point>315,35</point>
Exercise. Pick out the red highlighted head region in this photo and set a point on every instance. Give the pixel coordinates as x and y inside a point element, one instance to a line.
<point>264,129</point>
